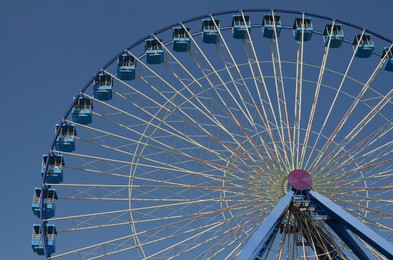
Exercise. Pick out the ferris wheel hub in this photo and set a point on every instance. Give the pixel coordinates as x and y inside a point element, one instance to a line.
<point>300,180</point>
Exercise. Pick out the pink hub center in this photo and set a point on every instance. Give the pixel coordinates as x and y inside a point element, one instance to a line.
<point>300,180</point>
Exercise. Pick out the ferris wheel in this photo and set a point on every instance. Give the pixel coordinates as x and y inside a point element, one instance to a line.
<point>251,134</point>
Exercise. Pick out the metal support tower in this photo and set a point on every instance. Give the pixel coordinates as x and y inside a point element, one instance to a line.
<point>347,227</point>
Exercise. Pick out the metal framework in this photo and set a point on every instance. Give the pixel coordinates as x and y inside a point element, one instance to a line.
<point>188,155</point>
<point>340,221</point>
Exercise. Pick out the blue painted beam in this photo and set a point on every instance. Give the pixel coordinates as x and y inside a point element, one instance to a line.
<point>259,241</point>
<point>349,239</point>
<point>350,222</point>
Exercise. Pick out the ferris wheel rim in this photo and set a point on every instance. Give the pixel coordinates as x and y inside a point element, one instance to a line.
<point>166,28</point>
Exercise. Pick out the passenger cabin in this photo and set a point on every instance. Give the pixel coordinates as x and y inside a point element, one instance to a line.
<point>55,164</point>
<point>126,67</point>
<point>65,140</point>
<point>50,198</point>
<point>271,24</point>
<point>81,111</point>
<point>181,39</point>
<point>334,34</point>
<point>210,32</point>
<point>240,25</point>
<point>154,52</point>
<point>103,85</point>
<point>364,44</point>
<point>38,242</point>
<point>388,66</point>
<point>302,26</point>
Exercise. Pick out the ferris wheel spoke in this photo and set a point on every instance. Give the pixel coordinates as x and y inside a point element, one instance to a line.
<point>164,147</point>
<point>204,229</point>
<point>117,192</point>
<point>228,232</point>
<point>238,79</point>
<point>189,217</point>
<point>206,113</point>
<point>347,114</point>
<point>121,212</point>
<point>166,182</point>
<point>364,198</point>
<point>166,167</point>
<point>314,104</point>
<point>188,117</point>
<point>229,148</point>
<point>192,79</point>
<point>377,225</point>
<point>376,176</point>
<point>213,165</point>
<point>84,194</point>
<point>172,247</point>
<point>356,190</point>
<point>370,164</point>
<point>258,79</point>
<point>345,76</point>
<point>295,153</point>
<point>213,72</point>
<point>228,111</point>
<point>373,161</point>
<point>105,220</point>
<point>189,139</point>
<point>365,209</point>
<point>359,128</point>
<point>358,151</point>
<point>280,95</point>
<point>208,228</point>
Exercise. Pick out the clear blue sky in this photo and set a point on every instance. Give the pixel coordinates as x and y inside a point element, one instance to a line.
<point>50,48</point>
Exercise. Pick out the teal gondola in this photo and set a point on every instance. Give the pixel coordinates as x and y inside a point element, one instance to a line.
<point>302,26</point>
<point>38,242</point>
<point>334,34</point>
<point>65,141</point>
<point>364,44</point>
<point>126,67</point>
<point>210,32</point>
<point>55,164</point>
<point>240,25</point>
<point>154,52</point>
<point>50,198</point>
<point>103,85</point>
<point>388,66</point>
<point>82,111</point>
<point>181,39</point>
<point>270,25</point>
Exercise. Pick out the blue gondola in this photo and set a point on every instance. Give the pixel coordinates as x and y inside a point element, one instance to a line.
<point>81,111</point>
<point>210,31</point>
<point>181,39</point>
<point>154,52</point>
<point>37,239</point>
<point>335,34</point>
<point>365,45</point>
<point>65,141</point>
<point>269,25</point>
<point>240,26</point>
<point>55,167</point>
<point>103,85</point>
<point>126,67</point>
<point>50,198</point>
<point>389,59</point>
<point>302,27</point>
